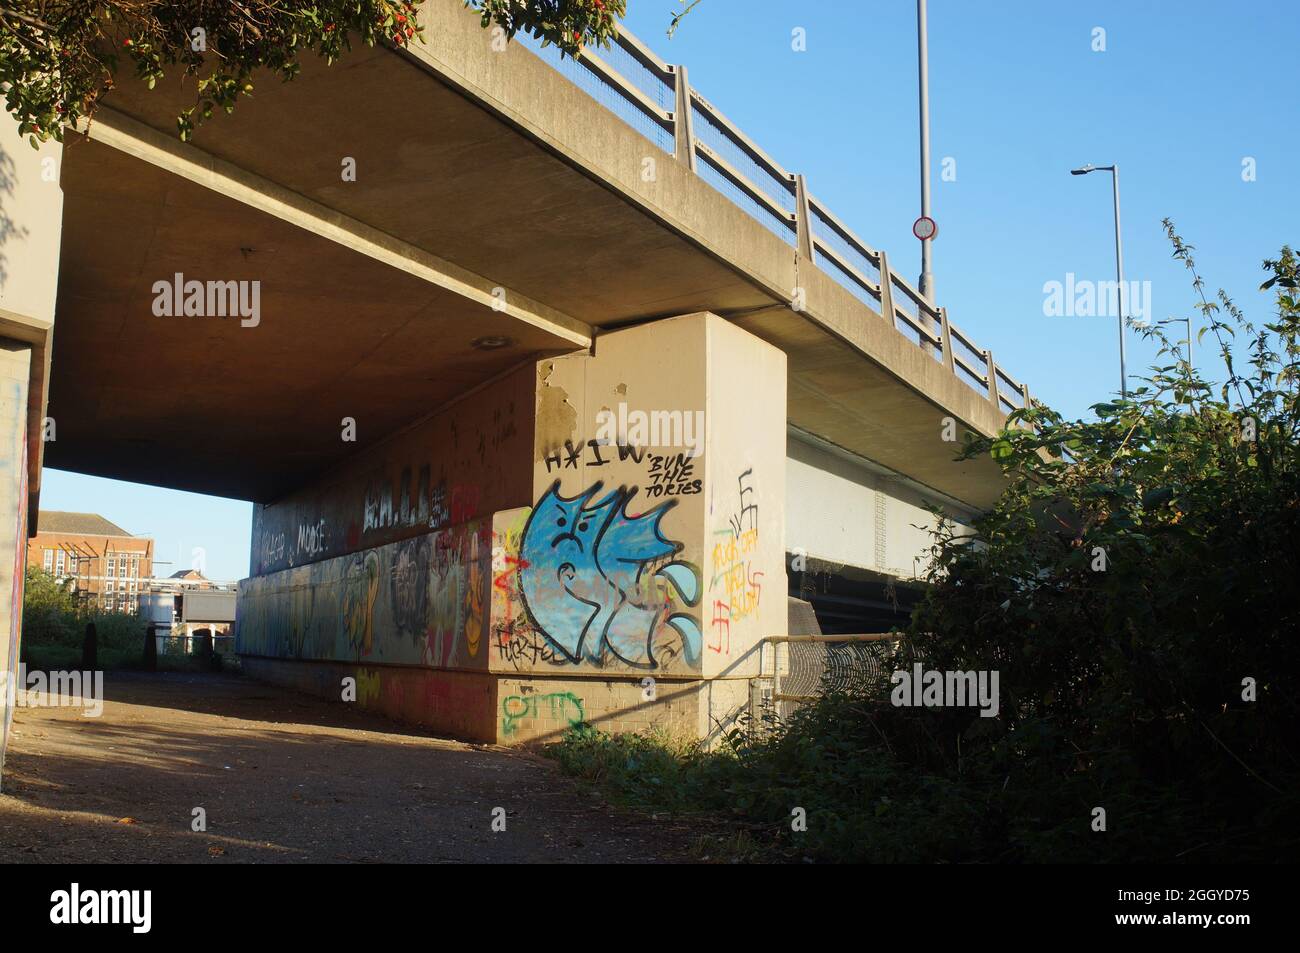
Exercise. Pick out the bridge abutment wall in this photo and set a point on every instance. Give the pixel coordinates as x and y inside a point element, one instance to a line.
<point>31,222</point>
<point>594,538</point>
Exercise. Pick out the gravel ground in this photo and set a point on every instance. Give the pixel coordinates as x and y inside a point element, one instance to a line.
<point>285,778</point>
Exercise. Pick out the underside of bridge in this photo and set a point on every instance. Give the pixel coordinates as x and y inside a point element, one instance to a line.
<point>454,251</point>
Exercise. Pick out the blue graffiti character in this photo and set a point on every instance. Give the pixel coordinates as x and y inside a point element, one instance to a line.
<point>583,568</point>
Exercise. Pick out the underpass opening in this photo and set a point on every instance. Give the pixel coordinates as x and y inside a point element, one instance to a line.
<point>848,600</point>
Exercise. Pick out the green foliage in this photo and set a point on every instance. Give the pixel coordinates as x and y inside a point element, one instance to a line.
<point>1137,570</point>
<point>54,626</point>
<point>58,58</point>
<point>568,24</point>
<point>49,608</point>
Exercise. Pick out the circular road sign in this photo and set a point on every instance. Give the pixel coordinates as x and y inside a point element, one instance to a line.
<point>924,228</point>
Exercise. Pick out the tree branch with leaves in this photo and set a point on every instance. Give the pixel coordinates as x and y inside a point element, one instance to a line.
<point>59,58</point>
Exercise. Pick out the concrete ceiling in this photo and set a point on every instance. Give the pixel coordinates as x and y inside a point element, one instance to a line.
<point>204,404</point>
<point>445,174</point>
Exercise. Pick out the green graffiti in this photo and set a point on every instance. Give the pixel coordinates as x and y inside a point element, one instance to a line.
<point>518,707</point>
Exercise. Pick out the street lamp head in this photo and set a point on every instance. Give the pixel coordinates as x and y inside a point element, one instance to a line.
<point>1084,170</point>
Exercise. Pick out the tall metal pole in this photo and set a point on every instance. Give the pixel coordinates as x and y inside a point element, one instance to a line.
<point>1119,272</point>
<point>927,276</point>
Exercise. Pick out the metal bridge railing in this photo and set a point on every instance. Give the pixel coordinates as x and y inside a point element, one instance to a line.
<point>194,644</point>
<point>796,669</point>
<point>656,99</point>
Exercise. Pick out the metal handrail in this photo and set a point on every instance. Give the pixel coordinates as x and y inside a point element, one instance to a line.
<point>930,323</point>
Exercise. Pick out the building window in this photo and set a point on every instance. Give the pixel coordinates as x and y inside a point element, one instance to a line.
<point>112,568</point>
<point>49,560</point>
<point>60,563</point>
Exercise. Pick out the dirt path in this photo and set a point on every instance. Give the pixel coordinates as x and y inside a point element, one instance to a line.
<point>285,777</point>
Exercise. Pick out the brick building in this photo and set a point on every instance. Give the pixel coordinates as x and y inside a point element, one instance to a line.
<point>108,566</point>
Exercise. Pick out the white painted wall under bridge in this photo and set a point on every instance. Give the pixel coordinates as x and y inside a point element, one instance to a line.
<point>845,509</point>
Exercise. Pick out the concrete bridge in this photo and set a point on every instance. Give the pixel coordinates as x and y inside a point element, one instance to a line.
<point>549,385</point>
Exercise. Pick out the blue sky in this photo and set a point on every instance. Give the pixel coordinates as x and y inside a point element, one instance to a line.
<point>1183,92</point>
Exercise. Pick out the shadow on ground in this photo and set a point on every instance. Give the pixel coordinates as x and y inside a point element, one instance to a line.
<point>284,777</point>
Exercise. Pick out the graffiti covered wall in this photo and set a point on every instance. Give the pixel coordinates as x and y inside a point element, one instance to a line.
<point>616,578</point>
<point>443,471</point>
<point>745,571</point>
<point>579,584</point>
<point>421,601</point>
<point>14,368</point>
<point>658,485</point>
<point>604,566</point>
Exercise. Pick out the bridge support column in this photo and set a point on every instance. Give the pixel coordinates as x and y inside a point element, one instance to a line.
<point>15,369</point>
<point>595,538</point>
<point>31,212</point>
<point>664,455</point>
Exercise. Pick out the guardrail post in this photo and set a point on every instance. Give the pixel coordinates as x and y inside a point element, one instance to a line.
<point>945,333</point>
<point>886,291</point>
<point>683,122</point>
<point>993,379</point>
<point>924,319</point>
<point>803,218</point>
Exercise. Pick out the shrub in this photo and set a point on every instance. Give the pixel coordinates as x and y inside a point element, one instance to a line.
<point>1135,589</point>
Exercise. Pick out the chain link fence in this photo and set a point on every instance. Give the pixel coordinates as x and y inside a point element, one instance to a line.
<point>797,669</point>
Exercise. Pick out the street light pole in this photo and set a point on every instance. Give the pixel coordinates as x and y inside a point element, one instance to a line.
<point>1119,273</point>
<point>923,62</point>
<point>1119,269</point>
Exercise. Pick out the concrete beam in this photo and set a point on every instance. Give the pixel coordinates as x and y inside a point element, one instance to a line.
<point>136,139</point>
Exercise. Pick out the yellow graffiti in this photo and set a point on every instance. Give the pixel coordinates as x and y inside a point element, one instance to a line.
<point>733,571</point>
<point>358,613</point>
<point>474,598</point>
<point>367,685</point>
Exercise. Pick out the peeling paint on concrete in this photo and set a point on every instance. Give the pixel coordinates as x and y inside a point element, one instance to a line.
<point>557,418</point>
